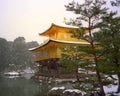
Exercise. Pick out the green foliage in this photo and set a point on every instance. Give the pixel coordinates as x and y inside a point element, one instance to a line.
<point>103,28</point>
<point>16,53</point>
<point>110,41</point>
<point>108,67</point>
<point>102,31</point>
<point>90,84</point>
<point>4,54</point>
<point>78,33</point>
<point>68,60</point>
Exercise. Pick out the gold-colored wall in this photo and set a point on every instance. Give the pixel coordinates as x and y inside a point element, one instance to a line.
<point>62,34</point>
<point>53,49</point>
<point>50,50</point>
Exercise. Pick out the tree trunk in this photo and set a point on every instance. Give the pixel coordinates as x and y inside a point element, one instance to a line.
<point>102,92</point>
<point>76,74</point>
<point>91,41</point>
<point>118,90</point>
<point>77,77</point>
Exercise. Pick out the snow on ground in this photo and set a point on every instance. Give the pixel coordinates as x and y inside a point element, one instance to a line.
<point>13,73</point>
<point>112,88</point>
<point>29,70</point>
<point>56,88</point>
<point>74,90</point>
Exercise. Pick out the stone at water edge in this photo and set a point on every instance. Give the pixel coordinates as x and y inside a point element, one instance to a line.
<point>73,92</point>
<point>62,91</point>
<point>56,91</point>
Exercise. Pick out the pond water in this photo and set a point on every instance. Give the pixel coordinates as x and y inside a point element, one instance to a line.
<point>25,86</point>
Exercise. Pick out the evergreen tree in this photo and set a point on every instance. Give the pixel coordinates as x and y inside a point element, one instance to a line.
<point>15,55</point>
<point>19,51</point>
<point>90,13</point>
<point>21,56</point>
<point>109,39</point>
<point>103,35</point>
<point>4,54</point>
<point>31,55</point>
<point>70,60</point>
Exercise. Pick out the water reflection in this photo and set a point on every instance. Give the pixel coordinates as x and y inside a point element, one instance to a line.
<point>25,86</point>
<point>22,86</point>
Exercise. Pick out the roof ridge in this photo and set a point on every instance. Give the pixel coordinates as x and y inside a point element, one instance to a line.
<point>53,24</point>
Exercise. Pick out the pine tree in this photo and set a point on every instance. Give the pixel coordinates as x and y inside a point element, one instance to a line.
<point>90,13</point>
<point>70,60</point>
<point>4,54</point>
<point>110,42</point>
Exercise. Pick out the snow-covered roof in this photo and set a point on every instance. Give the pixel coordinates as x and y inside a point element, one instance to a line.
<point>59,41</point>
<point>70,42</point>
<point>42,44</point>
<point>65,25</point>
<point>61,25</point>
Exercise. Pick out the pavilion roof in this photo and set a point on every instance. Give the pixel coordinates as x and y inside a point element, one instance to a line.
<point>56,41</point>
<point>63,26</point>
<point>62,33</point>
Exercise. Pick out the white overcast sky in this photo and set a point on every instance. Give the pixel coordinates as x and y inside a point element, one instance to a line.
<point>27,18</point>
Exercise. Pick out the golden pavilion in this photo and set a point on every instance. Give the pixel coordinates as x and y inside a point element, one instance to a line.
<point>49,51</point>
